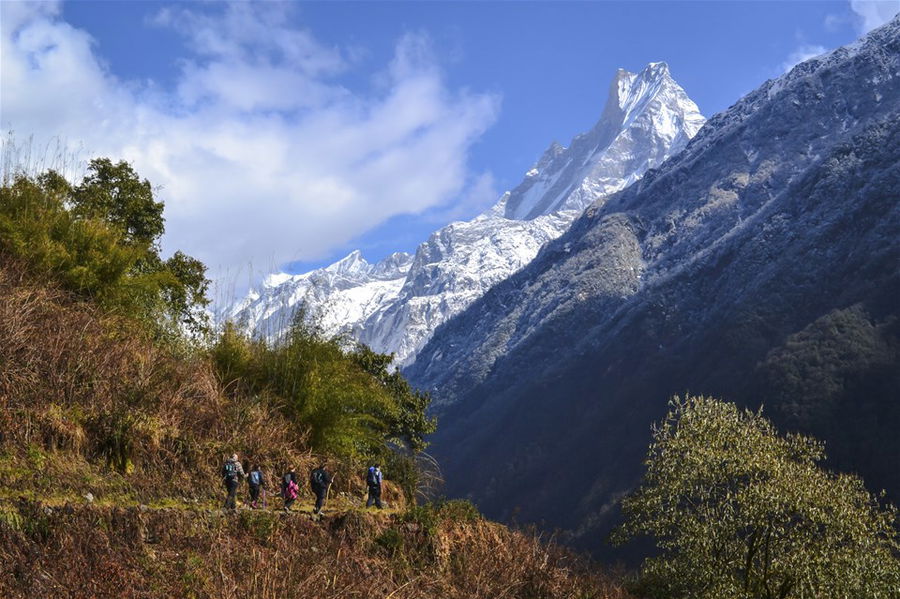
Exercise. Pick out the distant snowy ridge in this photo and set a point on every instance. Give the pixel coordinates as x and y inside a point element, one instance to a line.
<point>395,305</point>
<point>344,293</point>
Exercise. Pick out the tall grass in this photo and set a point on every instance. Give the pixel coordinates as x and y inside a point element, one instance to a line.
<point>29,158</point>
<point>168,553</point>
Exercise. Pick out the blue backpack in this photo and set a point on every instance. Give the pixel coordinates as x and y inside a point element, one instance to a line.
<point>255,478</point>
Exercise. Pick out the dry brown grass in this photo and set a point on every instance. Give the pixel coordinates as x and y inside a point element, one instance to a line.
<point>89,404</point>
<point>92,552</point>
<point>77,380</point>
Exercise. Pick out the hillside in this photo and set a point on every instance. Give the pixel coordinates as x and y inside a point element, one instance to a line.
<point>113,429</point>
<point>90,404</point>
<point>759,265</point>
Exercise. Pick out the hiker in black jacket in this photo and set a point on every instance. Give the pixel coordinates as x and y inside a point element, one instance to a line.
<point>257,481</point>
<point>319,481</point>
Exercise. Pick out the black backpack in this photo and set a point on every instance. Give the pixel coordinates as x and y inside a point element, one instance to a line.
<point>229,471</point>
<point>371,479</point>
<point>319,478</point>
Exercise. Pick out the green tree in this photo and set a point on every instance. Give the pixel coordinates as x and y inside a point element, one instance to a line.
<point>115,193</point>
<point>100,239</point>
<point>341,408</point>
<point>85,254</point>
<point>185,296</point>
<point>411,424</point>
<point>741,512</point>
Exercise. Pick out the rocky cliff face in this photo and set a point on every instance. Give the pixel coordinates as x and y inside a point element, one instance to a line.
<point>394,307</point>
<point>761,264</point>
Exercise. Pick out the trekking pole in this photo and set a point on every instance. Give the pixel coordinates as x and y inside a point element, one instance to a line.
<point>265,506</point>
<point>328,491</point>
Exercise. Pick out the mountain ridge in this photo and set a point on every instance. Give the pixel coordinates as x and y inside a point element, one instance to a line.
<point>778,220</point>
<point>648,117</point>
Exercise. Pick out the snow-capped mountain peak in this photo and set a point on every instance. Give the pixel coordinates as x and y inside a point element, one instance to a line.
<point>394,306</point>
<point>647,118</point>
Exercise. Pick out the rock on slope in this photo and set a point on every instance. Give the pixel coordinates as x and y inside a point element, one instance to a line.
<point>762,264</point>
<point>395,305</point>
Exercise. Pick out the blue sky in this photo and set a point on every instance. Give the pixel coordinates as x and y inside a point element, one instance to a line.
<point>293,133</point>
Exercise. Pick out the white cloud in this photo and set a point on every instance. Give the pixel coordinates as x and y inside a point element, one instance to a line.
<point>481,194</point>
<point>801,54</point>
<point>834,22</point>
<point>262,155</point>
<point>874,13</point>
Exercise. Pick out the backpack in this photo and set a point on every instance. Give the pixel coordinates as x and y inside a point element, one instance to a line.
<point>371,479</point>
<point>318,478</point>
<point>229,470</point>
<point>255,477</point>
<point>292,490</point>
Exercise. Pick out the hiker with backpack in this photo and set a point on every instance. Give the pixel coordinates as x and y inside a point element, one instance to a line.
<point>373,481</point>
<point>232,473</point>
<point>319,481</point>
<point>257,481</point>
<point>289,489</point>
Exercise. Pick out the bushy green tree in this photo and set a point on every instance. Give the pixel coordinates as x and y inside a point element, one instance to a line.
<point>100,239</point>
<point>346,401</point>
<point>116,194</point>
<point>741,512</point>
<point>412,423</point>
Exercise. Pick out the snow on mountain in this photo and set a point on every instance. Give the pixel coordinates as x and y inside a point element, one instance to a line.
<point>395,305</point>
<point>754,266</point>
<point>648,117</point>
<point>339,297</point>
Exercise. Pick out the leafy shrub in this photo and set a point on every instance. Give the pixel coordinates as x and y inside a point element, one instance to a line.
<point>739,511</point>
<point>458,510</point>
<point>391,541</point>
<point>261,524</point>
<point>100,239</point>
<point>346,405</point>
<point>425,517</point>
<point>115,438</point>
<point>428,517</point>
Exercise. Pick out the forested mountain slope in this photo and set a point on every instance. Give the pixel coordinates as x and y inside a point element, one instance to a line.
<point>761,265</point>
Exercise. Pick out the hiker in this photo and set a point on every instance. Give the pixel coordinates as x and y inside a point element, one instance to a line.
<point>373,480</point>
<point>289,489</point>
<point>257,481</point>
<point>319,481</point>
<point>232,473</point>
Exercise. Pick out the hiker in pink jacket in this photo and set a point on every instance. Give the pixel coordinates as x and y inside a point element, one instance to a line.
<point>289,489</point>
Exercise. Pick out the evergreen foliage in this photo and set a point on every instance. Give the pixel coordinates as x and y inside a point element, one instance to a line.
<point>100,239</point>
<point>739,511</point>
<point>412,422</point>
<point>346,402</point>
